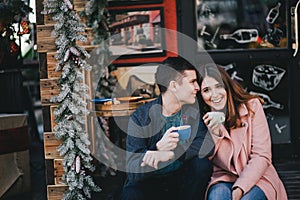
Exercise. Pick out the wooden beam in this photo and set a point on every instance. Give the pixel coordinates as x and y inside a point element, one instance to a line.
<point>55,192</point>
<point>50,146</point>
<point>49,88</point>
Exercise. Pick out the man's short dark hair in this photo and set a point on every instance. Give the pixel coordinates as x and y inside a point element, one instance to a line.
<point>169,70</point>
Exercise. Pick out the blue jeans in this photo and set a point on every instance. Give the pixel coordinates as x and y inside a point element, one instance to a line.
<point>189,182</point>
<point>222,191</point>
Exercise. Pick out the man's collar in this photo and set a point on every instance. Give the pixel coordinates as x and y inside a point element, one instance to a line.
<point>188,110</point>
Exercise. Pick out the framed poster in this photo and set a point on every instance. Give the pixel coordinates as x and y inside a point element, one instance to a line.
<point>137,32</point>
<point>132,2</point>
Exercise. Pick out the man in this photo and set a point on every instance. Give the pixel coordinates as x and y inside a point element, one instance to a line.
<point>156,160</point>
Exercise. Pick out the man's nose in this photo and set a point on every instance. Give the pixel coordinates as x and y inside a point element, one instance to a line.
<point>197,87</point>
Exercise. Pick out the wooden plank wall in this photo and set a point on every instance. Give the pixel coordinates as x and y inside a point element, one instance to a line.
<point>49,77</point>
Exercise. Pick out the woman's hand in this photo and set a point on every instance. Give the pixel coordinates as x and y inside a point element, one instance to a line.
<point>212,125</point>
<point>169,140</point>
<point>237,193</point>
<point>152,158</point>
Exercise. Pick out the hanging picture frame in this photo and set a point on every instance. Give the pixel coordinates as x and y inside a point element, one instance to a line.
<point>112,3</point>
<point>137,32</point>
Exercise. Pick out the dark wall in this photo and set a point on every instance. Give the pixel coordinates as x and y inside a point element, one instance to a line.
<point>281,89</point>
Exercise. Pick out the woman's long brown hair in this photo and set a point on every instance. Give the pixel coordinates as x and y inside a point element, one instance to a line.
<point>236,95</point>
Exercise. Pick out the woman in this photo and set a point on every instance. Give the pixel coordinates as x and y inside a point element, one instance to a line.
<point>242,157</point>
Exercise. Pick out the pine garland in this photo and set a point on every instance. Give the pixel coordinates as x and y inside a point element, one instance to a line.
<point>71,111</point>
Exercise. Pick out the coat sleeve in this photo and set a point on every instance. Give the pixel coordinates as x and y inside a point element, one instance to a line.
<point>260,153</point>
<point>136,147</point>
<point>138,142</point>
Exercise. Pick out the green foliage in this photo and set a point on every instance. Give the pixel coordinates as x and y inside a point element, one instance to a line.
<point>11,11</point>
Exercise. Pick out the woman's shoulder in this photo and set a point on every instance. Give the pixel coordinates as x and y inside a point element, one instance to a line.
<point>254,101</point>
<point>254,104</point>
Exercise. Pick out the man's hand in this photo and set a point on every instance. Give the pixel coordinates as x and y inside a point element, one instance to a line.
<point>152,158</point>
<point>169,141</point>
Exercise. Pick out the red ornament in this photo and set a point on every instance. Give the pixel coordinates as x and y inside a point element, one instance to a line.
<point>25,28</point>
<point>13,48</point>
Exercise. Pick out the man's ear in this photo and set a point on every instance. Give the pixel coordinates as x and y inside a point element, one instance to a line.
<point>173,86</point>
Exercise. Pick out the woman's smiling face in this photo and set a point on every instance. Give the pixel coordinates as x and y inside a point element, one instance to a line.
<point>213,93</point>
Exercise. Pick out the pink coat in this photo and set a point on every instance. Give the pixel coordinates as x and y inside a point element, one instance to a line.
<point>249,149</point>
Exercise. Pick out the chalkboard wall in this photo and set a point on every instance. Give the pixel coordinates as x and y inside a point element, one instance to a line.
<point>269,80</point>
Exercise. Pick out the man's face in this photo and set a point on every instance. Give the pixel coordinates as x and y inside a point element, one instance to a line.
<point>187,88</point>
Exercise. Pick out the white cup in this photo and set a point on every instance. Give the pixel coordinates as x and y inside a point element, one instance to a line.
<point>217,117</point>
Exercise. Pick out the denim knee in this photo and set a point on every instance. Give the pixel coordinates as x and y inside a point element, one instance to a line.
<point>220,191</point>
<point>254,194</point>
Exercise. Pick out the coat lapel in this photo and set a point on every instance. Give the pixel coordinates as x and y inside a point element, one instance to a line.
<point>239,137</point>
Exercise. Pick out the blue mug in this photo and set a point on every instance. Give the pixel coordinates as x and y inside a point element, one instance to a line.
<point>184,132</point>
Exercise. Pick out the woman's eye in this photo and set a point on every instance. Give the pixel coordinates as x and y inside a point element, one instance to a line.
<point>205,90</point>
<point>220,86</point>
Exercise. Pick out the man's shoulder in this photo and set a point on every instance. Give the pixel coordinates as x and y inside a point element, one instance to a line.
<point>143,114</point>
<point>146,107</point>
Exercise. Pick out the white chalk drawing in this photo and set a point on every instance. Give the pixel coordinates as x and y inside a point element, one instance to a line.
<point>242,36</point>
<point>279,128</point>
<point>267,101</point>
<point>267,76</point>
<point>228,67</point>
<point>273,14</point>
<point>270,116</point>
<point>234,76</point>
<point>212,43</point>
<point>203,31</point>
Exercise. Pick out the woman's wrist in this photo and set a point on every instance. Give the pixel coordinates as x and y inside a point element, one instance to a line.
<point>216,133</point>
<point>237,188</point>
